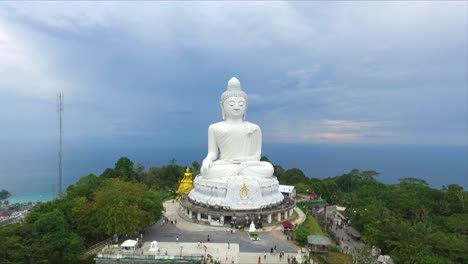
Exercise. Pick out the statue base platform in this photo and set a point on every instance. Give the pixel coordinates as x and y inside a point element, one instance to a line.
<point>236,201</point>
<point>236,219</point>
<point>236,192</point>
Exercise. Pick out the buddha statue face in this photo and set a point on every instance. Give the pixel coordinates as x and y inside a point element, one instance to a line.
<point>234,107</point>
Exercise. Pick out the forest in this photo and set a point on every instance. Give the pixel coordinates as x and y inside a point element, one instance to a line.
<point>410,221</point>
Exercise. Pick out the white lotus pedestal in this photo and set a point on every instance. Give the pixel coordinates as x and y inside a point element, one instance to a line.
<point>236,192</point>
<point>235,199</point>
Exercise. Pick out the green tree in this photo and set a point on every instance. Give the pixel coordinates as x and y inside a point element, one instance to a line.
<point>362,256</point>
<point>139,171</point>
<point>124,169</point>
<point>83,219</point>
<point>109,173</point>
<point>15,244</point>
<point>300,235</point>
<point>278,171</point>
<point>196,166</point>
<point>455,196</point>
<point>154,178</point>
<point>412,181</point>
<point>4,194</point>
<point>302,187</point>
<point>292,176</point>
<point>85,186</point>
<point>119,208</point>
<point>52,240</point>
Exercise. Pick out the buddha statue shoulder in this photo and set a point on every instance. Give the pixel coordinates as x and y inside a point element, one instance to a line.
<point>234,145</point>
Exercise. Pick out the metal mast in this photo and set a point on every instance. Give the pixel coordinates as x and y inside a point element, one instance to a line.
<point>60,101</point>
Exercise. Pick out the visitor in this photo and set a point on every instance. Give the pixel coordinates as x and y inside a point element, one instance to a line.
<point>264,255</point>
<point>175,222</point>
<point>177,239</point>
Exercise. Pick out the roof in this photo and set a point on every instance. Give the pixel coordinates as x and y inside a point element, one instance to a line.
<point>340,208</point>
<point>286,188</point>
<point>353,232</point>
<point>318,240</point>
<point>129,243</point>
<point>287,224</point>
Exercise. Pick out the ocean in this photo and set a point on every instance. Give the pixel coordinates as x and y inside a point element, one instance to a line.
<point>31,173</point>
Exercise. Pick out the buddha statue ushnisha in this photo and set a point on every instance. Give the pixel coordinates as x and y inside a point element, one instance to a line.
<point>238,143</point>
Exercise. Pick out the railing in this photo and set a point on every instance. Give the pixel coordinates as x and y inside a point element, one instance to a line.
<point>94,249</point>
<point>286,204</point>
<point>154,258</point>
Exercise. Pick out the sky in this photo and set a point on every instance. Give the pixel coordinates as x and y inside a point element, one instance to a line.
<point>387,72</point>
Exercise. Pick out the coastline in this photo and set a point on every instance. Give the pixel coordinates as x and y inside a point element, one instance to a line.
<point>45,197</point>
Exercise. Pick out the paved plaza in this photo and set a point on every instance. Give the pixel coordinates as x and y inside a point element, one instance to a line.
<point>190,238</point>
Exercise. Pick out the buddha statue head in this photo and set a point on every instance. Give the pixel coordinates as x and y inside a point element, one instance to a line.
<point>234,101</point>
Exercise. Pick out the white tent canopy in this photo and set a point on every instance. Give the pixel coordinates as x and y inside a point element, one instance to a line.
<point>129,243</point>
<point>286,188</point>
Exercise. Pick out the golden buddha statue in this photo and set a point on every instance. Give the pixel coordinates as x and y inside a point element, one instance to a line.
<point>186,184</point>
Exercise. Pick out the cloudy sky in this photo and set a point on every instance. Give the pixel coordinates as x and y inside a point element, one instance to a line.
<point>390,72</point>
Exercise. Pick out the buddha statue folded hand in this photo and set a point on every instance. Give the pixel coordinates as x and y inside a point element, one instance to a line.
<point>238,143</point>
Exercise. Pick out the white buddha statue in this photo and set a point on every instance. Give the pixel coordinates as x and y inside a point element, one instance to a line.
<point>237,142</point>
<point>252,228</point>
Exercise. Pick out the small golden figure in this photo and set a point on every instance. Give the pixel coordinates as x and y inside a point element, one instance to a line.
<point>186,184</point>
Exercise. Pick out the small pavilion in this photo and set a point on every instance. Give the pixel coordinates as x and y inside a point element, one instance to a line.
<point>318,243</point>
<point>129,246</point>
<point>287,227</point>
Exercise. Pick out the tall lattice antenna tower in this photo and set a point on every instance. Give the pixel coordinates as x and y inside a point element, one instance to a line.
<point>60,102</point>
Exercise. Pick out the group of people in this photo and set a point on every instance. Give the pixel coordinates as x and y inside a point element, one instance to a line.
<point>292,260</point>
<point>166,221</point>
<point>273,251</point>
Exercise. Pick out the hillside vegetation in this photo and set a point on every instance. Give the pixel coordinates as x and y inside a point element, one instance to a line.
<point>410,221</point>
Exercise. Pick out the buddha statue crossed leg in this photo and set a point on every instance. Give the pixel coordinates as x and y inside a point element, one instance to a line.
<point>237,142</point>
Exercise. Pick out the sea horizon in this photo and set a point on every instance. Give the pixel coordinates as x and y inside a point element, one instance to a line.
<point>32,174</point>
